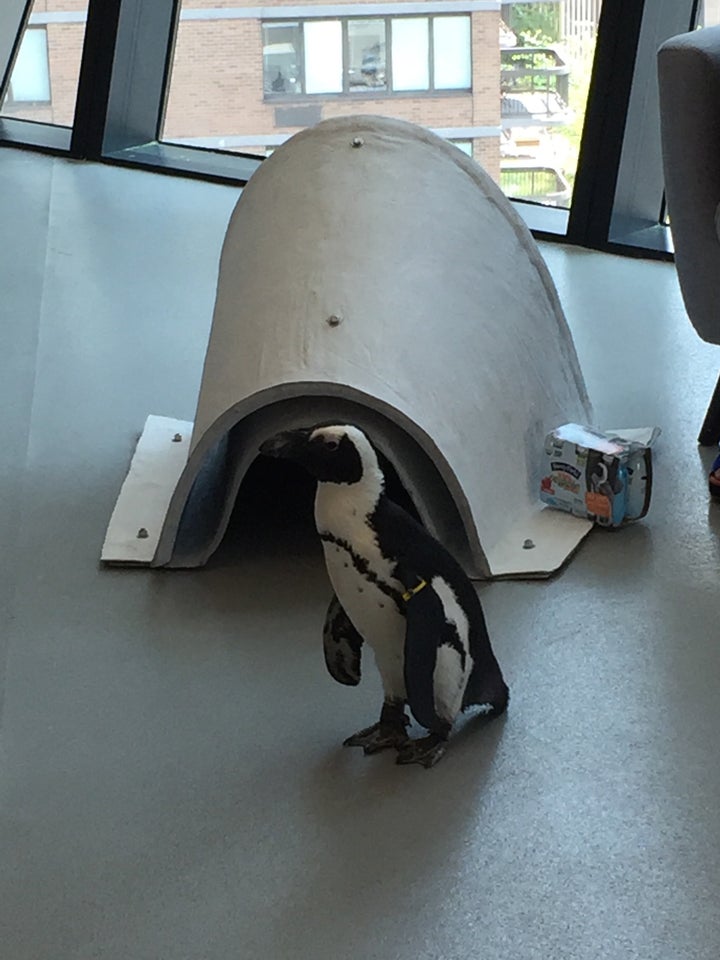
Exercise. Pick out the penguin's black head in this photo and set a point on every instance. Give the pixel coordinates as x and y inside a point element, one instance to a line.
<point>332,454</point>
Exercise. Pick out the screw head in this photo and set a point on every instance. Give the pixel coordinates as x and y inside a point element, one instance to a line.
<point>177,438</point>
<point>142,534</point>
<point>334,320</point>
<point>528,545</point>
<point>357,142</point>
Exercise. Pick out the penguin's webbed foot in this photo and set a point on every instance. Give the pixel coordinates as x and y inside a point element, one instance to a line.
<point>426,750</point>
<point>376,738</point>
<point>389,732</point>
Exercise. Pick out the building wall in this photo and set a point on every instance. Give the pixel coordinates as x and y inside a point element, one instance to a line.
<point>65,42</point>
<point>217,86</point>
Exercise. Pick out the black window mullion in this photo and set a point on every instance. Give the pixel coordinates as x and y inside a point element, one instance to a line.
<point>640,183</point>
<point>607,104</point>
<point>141,69</point>
<point>95,77</point>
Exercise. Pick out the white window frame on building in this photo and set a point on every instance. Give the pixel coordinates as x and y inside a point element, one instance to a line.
<point>390,67</point>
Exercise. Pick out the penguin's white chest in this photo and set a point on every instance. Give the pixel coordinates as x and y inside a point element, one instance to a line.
<point>361,576</point>
<point>373,613</point>
<point>357,584</point>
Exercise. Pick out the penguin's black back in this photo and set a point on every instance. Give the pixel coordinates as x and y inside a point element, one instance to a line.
<point>405,541</point>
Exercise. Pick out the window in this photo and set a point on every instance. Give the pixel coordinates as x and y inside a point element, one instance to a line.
<point>546,59</point>
<point>282,58</point>
<point>465,146</point>
<point>323,56</point>
<point>451,53</point>
<point>708,13</point>
<point>533,180</point>
<point>350,56</point>
<point>163,78</point>
<point>30,79</point>
<point>411,53</point>
<point>366,55</point>
<point>44,81</point>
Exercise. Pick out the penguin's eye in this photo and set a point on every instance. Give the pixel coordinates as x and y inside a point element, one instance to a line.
<point>331,444</point>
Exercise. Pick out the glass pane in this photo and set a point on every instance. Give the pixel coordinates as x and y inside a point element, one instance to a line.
<point>31,75</point>
<point>366,55</point>
<point>43,84</point>
<point>282,58</point>
<point>535,182</point>
<point>546,54</point>
<point>451,53</point>
<point>323,56</point>
<point>410,53</point>
<point>464,145</point>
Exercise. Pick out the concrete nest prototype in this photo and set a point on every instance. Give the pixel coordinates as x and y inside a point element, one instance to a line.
<point>372,273</point>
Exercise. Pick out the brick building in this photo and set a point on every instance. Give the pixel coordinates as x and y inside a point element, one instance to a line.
<point>248,82</point>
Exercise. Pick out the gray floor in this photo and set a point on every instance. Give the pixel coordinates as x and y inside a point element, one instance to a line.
<point>171,780</point>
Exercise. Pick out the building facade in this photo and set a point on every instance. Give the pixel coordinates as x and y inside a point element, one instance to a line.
<point>254,80</point>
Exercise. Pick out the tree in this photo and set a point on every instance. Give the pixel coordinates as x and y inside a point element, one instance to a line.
<point>535,24</point>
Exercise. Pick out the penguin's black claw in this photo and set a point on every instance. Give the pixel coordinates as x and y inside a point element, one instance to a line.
<point>389,732</point>
<point>380,736</point>
<point>426,751</point>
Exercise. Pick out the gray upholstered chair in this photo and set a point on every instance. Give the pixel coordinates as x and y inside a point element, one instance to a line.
<point>689,78</point>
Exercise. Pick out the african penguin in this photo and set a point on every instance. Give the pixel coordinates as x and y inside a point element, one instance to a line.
<point>397,589</point>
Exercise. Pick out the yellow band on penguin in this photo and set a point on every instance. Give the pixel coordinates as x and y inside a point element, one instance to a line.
<point>409,594</point>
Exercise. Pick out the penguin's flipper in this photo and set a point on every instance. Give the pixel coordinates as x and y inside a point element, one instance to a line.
<point>342,645</point>
<point>436,660</point>
<point>424,622</point>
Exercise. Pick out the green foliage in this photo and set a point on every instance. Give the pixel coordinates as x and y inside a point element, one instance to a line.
<point>571,133</point>
<point>535,24</point>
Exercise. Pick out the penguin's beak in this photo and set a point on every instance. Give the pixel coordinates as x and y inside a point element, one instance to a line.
<point>286,445</point>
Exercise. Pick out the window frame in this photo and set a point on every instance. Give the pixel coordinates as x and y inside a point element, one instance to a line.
<point>126,65</point>
<point>618,203</point>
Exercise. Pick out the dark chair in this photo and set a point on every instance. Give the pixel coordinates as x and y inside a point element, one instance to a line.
<point>689,78</point>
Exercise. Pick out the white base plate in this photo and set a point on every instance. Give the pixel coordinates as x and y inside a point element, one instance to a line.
<point>145,496</point>
<point>159,461</point>
<point>554,536</point>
